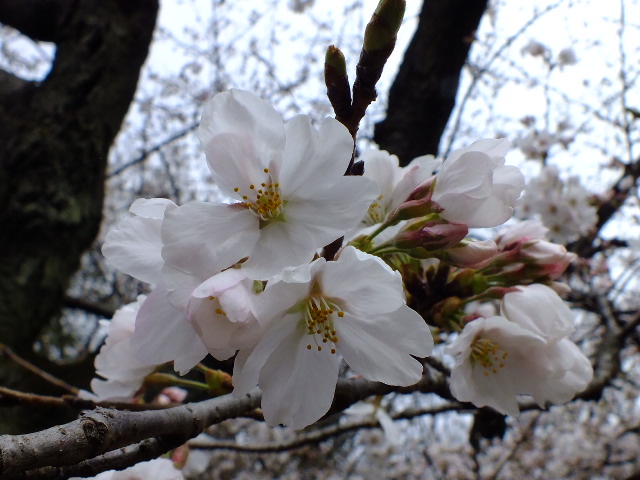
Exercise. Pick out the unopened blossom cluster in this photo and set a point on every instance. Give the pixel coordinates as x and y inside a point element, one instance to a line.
<point>251,278</point>
<point>566,56</point>
<point>565,207</point>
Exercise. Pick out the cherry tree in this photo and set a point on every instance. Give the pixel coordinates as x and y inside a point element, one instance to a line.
<point>314,280</point>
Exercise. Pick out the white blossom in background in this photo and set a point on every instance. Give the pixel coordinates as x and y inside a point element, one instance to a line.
<point>567,56</point>
<point>353,307</point>
<point>564,207</point>
<point>117,362</point>
<point>526,350</point>
<point>535,49</point>
<point>372,408</point>
<point>158,469</point>
<point>475,187</point>
<point>287,180</point>
<point>600,274</point>
<point>536,145</point>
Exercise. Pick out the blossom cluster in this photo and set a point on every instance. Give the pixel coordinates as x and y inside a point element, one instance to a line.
<point>524,350</point>
<point>565,57</point>
<point>251,278</point>
<point>565,207</point>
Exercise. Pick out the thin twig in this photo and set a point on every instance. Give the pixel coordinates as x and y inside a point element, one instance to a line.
<point>36,370</point>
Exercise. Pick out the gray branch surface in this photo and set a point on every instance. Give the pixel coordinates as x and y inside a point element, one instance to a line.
<point>103,430</point>
<point>90,444</point>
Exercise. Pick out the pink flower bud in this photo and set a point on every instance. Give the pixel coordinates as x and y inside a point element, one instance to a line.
<point>431,235</point>
<point>418,204</point>
<point>473,254</point>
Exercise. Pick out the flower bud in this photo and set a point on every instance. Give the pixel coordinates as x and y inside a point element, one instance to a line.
<point>472,254</point>
<point>334,59</point>
<point>383,28</point>
<point>431,235</point>
<point>418,204</point>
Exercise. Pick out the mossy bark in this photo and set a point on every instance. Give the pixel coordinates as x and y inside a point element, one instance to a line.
<point>54,144</point>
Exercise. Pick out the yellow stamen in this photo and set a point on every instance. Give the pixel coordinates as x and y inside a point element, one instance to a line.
<point>489,355</point>
<point>266,202</point>
<point>319,314</point>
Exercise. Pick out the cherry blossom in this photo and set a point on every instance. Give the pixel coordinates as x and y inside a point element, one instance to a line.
<point>496,360</point>
<point>540,310</point>
<point>475,187</point>
<point>396,183</point>
<point>565,207</point>
<point>287,181</point>
<point>525,351</point>
<point>117,362</point>
<point>354,307</point>
<point>162,333</point>
<point>220,310</point>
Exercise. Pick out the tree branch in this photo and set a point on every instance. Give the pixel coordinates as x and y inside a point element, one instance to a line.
<point>314,437</point>
<point>89,307</point>
<point>103,430</point>
<point>115,460</point>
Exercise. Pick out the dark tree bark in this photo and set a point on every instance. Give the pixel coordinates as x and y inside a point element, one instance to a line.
<point>54,144</point>
<point>424,91</point>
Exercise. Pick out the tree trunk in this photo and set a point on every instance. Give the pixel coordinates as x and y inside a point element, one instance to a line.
<point>54,145</point>
<point>424,92</point>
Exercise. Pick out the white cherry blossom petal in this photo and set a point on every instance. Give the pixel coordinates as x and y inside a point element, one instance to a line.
<point>135,248</point>
<point>312,156</point>
<point>151,207</point>
<point>297,384</point>
<point>378,350</point>
<point>204,238</point>
<point>249,362</point>
<point>540,310</point>
<point>163,334</point>
<point>379,289</point>
<point>117,362</point>
<point>475,188</point>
